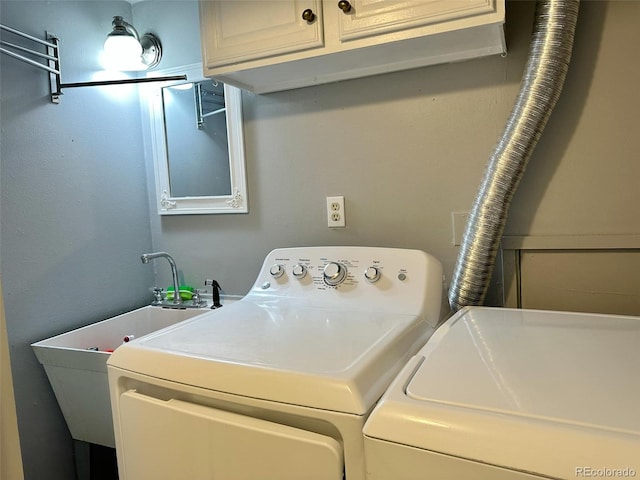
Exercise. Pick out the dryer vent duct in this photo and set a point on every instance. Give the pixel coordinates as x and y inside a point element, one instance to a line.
<point>544,75</point>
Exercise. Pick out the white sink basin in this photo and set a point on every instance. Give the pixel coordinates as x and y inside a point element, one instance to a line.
<point>78,375</point>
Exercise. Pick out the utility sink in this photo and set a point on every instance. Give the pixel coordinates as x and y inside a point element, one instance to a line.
<point>76,364</point>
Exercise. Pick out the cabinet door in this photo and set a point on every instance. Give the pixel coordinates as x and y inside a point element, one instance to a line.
<point>376,17</point>
<point>236,31</point>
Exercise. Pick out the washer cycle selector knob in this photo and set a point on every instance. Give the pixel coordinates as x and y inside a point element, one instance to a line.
<point>334,273</point>
<point>276,270</point>
<point>299,271</point>
<point>372,274</point>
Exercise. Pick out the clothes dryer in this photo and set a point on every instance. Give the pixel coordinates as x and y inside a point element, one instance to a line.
<point>277,385</point>
<point>500,394</point>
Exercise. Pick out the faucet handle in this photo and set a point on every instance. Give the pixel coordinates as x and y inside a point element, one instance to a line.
<point>197,298</point>
<point>157,294</point>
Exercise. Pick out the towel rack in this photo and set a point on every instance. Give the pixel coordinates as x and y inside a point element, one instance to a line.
<point>53,64</point>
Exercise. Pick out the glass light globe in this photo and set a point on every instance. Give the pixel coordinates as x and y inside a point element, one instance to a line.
<point>123,52</point>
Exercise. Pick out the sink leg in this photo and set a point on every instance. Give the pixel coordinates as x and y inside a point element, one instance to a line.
<point>95,462</point>
<point>83,459</point>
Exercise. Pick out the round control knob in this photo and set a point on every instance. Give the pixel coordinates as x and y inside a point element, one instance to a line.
<point>372,274</point>
<point>299,271</point>
<point>334,273</point>
<point>276,270</point>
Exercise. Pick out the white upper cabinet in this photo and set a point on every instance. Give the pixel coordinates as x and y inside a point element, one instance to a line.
<point>272,45</point>
<point>240,31</point>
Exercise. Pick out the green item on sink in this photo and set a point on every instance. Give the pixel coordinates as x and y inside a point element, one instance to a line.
<point>186,292</point>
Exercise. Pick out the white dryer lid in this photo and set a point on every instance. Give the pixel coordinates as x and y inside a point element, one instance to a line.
<point>543,392</point>
<point>282,351</point>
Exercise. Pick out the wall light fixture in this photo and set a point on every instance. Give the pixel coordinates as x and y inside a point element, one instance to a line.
<point>125,50</point>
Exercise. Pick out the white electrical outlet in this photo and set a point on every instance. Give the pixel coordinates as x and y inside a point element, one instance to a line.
<point>335,212</point>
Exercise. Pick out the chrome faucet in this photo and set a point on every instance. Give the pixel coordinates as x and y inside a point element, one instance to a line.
<point>174,272</point>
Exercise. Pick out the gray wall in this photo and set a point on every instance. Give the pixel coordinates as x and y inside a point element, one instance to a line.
<point>407,149</point>
<point>74,217</point>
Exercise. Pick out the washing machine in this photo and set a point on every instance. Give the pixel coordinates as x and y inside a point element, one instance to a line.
<point>502,394</point>
<point>278,385</point>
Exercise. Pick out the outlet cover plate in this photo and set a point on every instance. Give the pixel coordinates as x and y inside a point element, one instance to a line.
<point>335,212</point>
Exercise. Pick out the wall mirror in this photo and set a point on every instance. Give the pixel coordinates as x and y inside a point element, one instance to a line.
<point>197,142</point>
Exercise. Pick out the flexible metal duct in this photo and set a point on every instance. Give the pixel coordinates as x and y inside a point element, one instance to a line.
<point>544,75</point>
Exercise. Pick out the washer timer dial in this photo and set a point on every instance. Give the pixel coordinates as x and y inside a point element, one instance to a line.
<point>334,273</point>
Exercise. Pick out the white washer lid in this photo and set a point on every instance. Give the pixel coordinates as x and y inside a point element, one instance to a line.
<point>544,392</point>
<point>282,351</point>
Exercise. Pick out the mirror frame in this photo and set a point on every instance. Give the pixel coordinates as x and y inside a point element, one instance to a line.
<point>151,100</point>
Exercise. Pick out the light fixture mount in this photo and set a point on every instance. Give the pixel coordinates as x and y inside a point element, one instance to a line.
<point>151,50</point>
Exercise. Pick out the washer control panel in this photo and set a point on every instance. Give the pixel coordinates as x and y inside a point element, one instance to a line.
<point>357,277</point>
